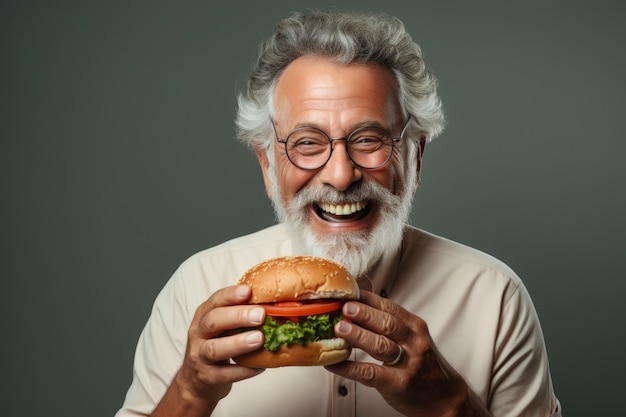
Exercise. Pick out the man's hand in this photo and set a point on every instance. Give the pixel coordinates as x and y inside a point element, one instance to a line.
<point>422,383</point>
<point>206,374</point>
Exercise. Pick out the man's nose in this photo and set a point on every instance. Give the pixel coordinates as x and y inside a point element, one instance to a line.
<point>340,172</point>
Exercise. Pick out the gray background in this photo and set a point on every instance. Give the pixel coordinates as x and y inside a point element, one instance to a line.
<point>118,160</point>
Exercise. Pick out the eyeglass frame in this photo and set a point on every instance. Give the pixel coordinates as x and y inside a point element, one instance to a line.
<point>394,140</point>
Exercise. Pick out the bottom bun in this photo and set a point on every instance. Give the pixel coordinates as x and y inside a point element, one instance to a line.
<point>322,352</point>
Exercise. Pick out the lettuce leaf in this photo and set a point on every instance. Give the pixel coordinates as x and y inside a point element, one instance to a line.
<point>310,330</point>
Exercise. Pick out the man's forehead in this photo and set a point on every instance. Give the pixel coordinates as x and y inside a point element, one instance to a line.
<point>314,86</point>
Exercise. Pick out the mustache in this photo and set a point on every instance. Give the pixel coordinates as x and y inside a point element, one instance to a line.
<point>370,191</point>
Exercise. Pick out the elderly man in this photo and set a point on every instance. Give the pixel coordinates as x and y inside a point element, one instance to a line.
<point>338,110</point>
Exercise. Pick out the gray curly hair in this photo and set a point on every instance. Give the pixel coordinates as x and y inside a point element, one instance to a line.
<point>347,38</point>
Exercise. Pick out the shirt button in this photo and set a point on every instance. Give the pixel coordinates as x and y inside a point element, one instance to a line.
<point>383,294</point>
<point>343,391</point>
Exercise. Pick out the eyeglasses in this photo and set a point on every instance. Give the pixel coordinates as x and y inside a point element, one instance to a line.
<point>368,147</point>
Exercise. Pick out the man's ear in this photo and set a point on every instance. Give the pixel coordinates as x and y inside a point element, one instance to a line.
<point>265,168</point>
<point>420,155</point>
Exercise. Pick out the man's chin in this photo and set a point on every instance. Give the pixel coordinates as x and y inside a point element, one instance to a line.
<point>357,240</point>
<point>351,244</point>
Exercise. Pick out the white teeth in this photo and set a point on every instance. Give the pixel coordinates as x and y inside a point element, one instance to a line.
<point>343,209</point>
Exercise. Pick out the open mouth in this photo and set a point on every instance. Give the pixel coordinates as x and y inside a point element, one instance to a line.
<point>343,211</point>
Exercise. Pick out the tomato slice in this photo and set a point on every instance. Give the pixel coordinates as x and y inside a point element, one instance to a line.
<point>296,308</point>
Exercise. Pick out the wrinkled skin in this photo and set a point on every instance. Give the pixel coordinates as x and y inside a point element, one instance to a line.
<point>422,383</point>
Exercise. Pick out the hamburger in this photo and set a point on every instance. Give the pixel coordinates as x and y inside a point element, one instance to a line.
<point>302,297</point>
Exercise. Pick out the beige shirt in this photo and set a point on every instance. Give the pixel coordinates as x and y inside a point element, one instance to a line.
<point>478,312</point>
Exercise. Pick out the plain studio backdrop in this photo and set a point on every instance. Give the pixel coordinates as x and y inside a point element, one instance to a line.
<point>118,161</point>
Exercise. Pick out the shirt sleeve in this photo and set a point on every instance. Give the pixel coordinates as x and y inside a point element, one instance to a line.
<point>160,350</point>
<point>521,382</point>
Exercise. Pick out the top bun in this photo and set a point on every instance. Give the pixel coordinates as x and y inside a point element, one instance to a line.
<point>292,278</point>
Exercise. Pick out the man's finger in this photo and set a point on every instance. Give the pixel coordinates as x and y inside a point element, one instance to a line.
<point>221,319</point>
<point>223,348</point>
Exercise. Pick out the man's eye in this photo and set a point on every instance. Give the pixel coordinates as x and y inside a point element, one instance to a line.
<point>309,141</point>
<point>309,145</point>
<point>366,143</point>
<point>367,139</point>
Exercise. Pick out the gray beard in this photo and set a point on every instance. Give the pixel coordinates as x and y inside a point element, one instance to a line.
<point>356,251</point>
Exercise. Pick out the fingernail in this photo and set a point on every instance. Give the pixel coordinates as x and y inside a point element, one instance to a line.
<point>242,291</point>
<point>351,308</point>
<point>344,327</point>
<point>254,338</point>
<point>255,315</point>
